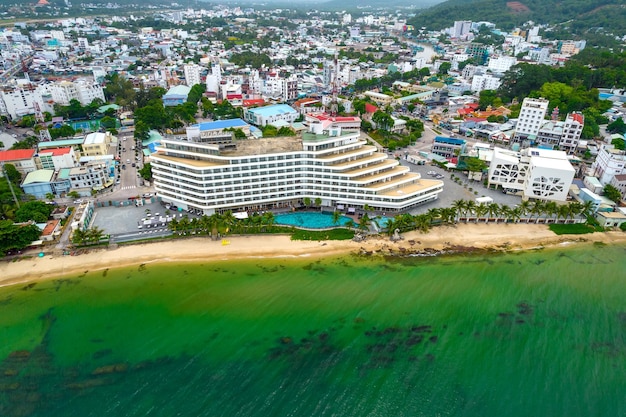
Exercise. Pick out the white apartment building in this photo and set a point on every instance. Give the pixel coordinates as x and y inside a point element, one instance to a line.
<point>485,82</point>
<point>541,174</point>
<point>260,174</point>
<point>531,117</point>
<point>192,74</point>
<point>18,101</point>
<point>565,135</point>
<point>82,90</point>
<point>56,158</point>
<point>461,29</point>
<point>501,64</point>
<point>94,175</point>
<point>609,162</point>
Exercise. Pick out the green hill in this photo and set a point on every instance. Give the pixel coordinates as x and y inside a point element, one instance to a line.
<point>575,16</point>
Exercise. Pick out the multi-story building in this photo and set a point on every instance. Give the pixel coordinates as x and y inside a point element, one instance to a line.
<point>56,158</point>
<point>531,117</point>
<point>262,116</point>
<point>461,29</point>
<point>482,82</point>
<point>572,129</point>
<point>619,182</point>
<point>22,159</point>
<point>42,182</point>
<point>82,90</point>
<point>346,123</point>
<point>176,95</point>
<point>501,64</point>
<point>192,74</point>
<point>97,144</point>
<point>448,147</point>
<point>608,163</point>
<point>216,131</point>
<point>93,175</point>
<point>541,174</point>
<point>20,100</point>
<point>339,168</point>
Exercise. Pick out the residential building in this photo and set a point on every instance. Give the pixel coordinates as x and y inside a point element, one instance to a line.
<point>611,218</point>
<point>501,64</point>
<point>531,118</point>
<point>20,100</point>
<point>192,74</point>
<point>262,116</point>
<point>541,174</point>
<point>482,82</point>
<point>97,143</point>
<point>56,158</point>
<point>448,147</point>
<point>83,216</point>
<point>608,163</point>
<point>42,182</point>
<point>82,90</point>
<point>176,95</point>
<point>216,131</point>
<point>22,159</point>
<point>92,176</point>
<point>379,98</point>
<point>339,168</point>
<point>346,123</point>
<point>461,29</point>
<point>619,182</point>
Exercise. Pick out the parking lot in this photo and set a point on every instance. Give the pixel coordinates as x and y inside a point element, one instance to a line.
<point>453,191</point>
<point>124,222</point>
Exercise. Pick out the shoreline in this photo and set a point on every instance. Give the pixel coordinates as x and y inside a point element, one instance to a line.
<point>442,240</point>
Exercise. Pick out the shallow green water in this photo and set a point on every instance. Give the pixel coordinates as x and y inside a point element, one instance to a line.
<point>530,334</point>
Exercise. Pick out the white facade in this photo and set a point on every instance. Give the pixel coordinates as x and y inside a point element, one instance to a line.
<point>461,29</point>
<point>192,74</point>
<point>341,169</point>
<point>540,174</point>
<point>609,162</point>
<point>83,91</point>
<point>501,64</point>
<point>485,82</point>
<point>19,101</point>
<point>56,159</point>
<point>572,129</point>
<point>531,117</point>
<point>93,176</point>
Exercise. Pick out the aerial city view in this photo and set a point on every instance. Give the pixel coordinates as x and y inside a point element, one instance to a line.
<point>313,208</point>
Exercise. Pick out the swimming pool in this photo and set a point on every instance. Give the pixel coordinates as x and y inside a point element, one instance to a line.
<point>310,220</point>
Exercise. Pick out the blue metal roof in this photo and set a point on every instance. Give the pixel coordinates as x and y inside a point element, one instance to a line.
<point>450,141</point>
<point>272,110</point>
<point>222,124</point>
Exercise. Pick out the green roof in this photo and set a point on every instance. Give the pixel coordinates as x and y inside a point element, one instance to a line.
<point>41,175</point>
<point>61,143</point>
<point>103,109</point>
<point>64,173</point>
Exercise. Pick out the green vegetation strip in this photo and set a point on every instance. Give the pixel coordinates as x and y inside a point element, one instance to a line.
<point>572,229</point>
<point>334,234</point>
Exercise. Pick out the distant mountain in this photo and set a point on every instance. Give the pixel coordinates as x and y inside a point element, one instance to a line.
<point>577,16</point>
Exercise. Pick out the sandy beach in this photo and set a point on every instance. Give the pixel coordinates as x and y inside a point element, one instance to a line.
<point>461,237</point>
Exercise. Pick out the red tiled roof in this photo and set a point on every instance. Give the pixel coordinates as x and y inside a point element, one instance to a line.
<point>51,225</point>
<point>16,154</point>
<point>57,151</point>
<point>253,102</point>
<point>337,119</point>
<point>578,117</point>
<point>370,108</point>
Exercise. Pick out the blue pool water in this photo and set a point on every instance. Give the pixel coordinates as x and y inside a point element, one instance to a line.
<point>311,220</point>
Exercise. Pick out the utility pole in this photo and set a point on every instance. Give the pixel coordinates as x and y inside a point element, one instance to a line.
<point>17,203</point>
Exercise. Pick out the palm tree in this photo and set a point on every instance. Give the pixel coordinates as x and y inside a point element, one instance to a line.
<point>336,217</point>
<point>505,212</point>
<point>228,220</point>
<point>49,197</point>
<point>184,225</point>
<point>268,219</point>
<point>537,208</point>
<point>493,209</point>
<point>480,210</point>
<point>460,206</point>
<point>350,224</point>
<point>448,215</point>
<point>435,215</point>
<point>551,208</point>
<point>365,222</point>
<point>587,208</point>
<point>470,207</point>
<point>422,222</point>
<point>306,201</point>
<point>318,203</point>
<point>524,208</point>
<point>173,225</point>
<point>79,237</point>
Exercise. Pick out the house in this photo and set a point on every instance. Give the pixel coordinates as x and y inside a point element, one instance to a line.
<point>51,230</point>
<point>22,159</point>
<point>176,95</point>
<point>448,147</point>
<point>611,218</point>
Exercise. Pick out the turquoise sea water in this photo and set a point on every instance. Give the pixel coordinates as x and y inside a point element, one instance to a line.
<point>526,334</point>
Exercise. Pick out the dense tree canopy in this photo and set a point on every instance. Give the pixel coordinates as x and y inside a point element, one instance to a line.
<point>16,237</point>
<point>37,211</point>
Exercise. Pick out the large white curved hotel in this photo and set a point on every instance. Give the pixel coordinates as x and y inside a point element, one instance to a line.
<point>216,173</point>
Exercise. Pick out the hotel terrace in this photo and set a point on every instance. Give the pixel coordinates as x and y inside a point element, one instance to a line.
<point>214,175</point>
